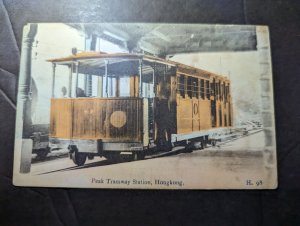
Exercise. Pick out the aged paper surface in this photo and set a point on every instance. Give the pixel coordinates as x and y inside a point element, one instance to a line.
<point>145,106</point>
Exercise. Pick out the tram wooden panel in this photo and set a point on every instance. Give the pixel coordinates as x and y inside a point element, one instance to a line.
<point>205,114</point>
<point>61,118</point>
<point>184,115</point>
<point>114,119</point>
<point>195,114</point>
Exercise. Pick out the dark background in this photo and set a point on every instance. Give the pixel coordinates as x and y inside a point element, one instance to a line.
<point>42,206</point>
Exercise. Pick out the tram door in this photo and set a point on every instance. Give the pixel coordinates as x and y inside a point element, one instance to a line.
<point>163,109</point>
<point>194,87</point>
<point>213,104</point>
<point>148,91</point>
<point>196,115</point>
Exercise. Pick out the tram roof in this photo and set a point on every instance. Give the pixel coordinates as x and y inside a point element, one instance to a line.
<point>114,57</point>
<point>97,59</point>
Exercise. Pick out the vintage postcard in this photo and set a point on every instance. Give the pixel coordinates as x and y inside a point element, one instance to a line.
<point>145,106</point>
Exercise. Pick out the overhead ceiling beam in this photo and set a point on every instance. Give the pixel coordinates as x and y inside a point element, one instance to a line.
<point>161,35</point>
<point>115,36</point>
<point>183,39</point>
<point>148,47</point>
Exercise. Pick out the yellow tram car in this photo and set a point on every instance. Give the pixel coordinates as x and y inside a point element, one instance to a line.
<point>135,103</point>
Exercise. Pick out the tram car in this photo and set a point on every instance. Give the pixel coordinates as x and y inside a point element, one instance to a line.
<point>135,103</point>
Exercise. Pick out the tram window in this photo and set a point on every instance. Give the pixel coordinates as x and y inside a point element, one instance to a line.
<point>189,87</point>
<point>180,85</point>
<point>220,117</point>
<point>202,91</point>
<point>148,87</point>
<point>207,90</point>
<point>85,85</point>
<point>227,88</point>
<point>111,86</point>
<point>221,90</point>
<point>117,86</point>
<point>80,83</point>
<point>124,87</point>
<point>213,88</point>
<point>148,90</point>
<point>224,91</point>
<point>218,90</point>
<point>195,87</point>
<point>80,89</point>
<point>94,86</point>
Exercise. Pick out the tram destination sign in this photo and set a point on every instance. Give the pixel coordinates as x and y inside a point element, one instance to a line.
<point>145,106</point>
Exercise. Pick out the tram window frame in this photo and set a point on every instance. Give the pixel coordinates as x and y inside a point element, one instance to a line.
<point>219,90</point>
<point>195,87</point>
<point>216,90</point>
<point>202,89</point>
<point>207,86</point>
<point>220,93</point>
<point>224,86</point>
<point>124,82</point>
<point>181,85</point>
<point>189,87</point>
<point>213,88</point>
<point>223,91</point>
<point>226,93</point>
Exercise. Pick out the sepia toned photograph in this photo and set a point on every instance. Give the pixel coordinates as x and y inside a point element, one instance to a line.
<point>145,106</point>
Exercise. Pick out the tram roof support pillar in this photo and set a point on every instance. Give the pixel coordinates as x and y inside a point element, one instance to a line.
<point>53,79</point>
<point>76,86</point>
<point>106,77</point>
<point>140,78</point>
<point>70,79</point>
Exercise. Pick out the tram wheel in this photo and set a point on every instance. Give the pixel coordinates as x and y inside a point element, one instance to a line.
<point>202,146</point>
<point>42,153</point>
<point>90,157</point>
<point>112,156</point>
<point>189,148</point>
<point>78,158</point>
<point>166,144</point>
<point>213,143</point>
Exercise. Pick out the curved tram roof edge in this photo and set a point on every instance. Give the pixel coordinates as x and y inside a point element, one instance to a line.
<point>89,55</point>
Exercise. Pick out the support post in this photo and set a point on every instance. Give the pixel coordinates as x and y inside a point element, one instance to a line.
<point>24,121</point>
<point>106,78</point>
<point>70,80</point>
<point>153,80</point>
<point>53,79</point>
<point>76,86</point>
<point>140,78</point>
